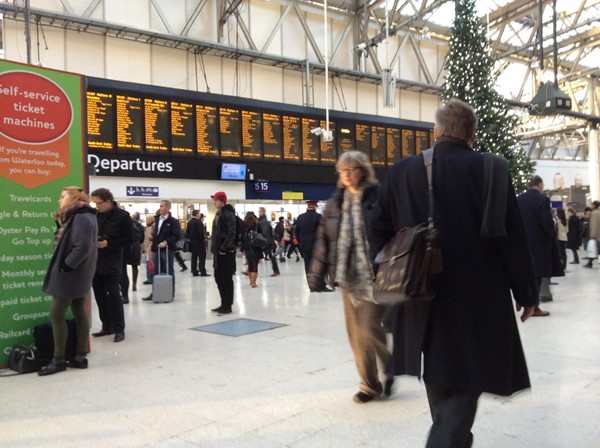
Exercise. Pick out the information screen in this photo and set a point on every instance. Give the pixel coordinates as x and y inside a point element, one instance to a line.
<point>393,146</point>
<point>251,134</point>
<point>378,145</point>
<point>408,142</point>
<point>328,155</point>
<point>346,138</point>
<point>157,125</point>
<point>182,129</point>
<point>292,139</point>
<point>206,130</point>
<point>272,140</point>
<point>101,121</point>
<point>229,125</point>
<point>363,138</point>
<point>311,143</point>
<point>421,141</point>
<point>130,126</point>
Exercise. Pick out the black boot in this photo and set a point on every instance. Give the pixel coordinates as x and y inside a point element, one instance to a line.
<point>54,367</point>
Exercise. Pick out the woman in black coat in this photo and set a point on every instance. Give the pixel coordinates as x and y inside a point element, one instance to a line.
<point>253,254</point>
<point>342,253</point>
<point>573,234</point>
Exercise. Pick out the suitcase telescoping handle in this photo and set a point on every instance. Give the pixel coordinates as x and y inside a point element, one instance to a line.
<point>166,258</point>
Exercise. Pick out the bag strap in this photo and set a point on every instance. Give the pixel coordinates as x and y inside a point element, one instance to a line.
<point>428,159</point>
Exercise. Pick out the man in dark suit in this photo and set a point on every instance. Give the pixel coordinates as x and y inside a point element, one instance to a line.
<point>305,232</point>
<point>196,233</point>
<point>539,226</point>
<point>165,237</point>
<point>468,334</point>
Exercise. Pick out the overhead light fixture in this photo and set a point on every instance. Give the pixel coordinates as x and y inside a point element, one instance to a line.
<point>425,35</point>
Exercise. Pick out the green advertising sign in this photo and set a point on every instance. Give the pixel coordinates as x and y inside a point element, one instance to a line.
<point>41,151</point>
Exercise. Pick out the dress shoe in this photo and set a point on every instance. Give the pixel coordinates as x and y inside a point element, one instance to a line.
<point>52,368</point>
<point>195,274</point>
<point>217,309</point>
<point>387,387</point>
<point>102,333</point>
<point>574,262</point>
<point>540,313</point>
<point>274,274</point>
<point>361,397</point>
<point>78,363</point>
<point>125,300</point>
<point>225,311</point>
<point>204,274</point>
<point>546,299</point>
<point>147,298</point>
<point>147,282</point>
<point>119,336</point>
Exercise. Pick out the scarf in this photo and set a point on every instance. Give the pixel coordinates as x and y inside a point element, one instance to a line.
<point>353,267</point>
<point>65,219</point>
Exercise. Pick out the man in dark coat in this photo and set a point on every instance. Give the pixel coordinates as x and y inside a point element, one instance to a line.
<point>305,232</point>
<point>468,333</point>
<point>166,234</point>
<point>223,246</point>
<point>114,234</point>
<point>196,233</point>
<point>539,227</point>
<point>267,231</point>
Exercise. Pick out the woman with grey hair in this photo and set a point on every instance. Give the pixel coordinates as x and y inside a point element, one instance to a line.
<point>342,253</point>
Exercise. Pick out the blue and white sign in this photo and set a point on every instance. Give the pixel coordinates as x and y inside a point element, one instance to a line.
<point>142,191</point>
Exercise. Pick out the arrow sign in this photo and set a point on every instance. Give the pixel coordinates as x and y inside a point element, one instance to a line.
<point>143,191</point>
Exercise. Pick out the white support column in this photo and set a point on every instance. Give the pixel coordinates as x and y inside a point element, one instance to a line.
<point>594,163</point>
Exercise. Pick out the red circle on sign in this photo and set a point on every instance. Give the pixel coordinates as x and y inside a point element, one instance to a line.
<point>33,109</point>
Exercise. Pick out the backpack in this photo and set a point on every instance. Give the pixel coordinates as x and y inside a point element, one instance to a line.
<point>240,229</point>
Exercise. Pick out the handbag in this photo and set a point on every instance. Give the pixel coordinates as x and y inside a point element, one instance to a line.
<point>256,239</point>
<point>24,359</point>
<point>591,249</point>
<point>407,261</point>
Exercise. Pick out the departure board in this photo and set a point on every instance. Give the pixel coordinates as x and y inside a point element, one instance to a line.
<point>328,155</point>
<point>182,128</point>
<point>363,138</point>
<point>408,142</point>
<point>251,134</point>
<point>393,146</point>
<point>311,143</point>
<point>378,145</point>
<point>272,141</point>
<point>292,139</point>
<point>346,138</point>
<point>431,138</point>
<point>421,141</point>
<point>101,120</point>
<point>129,124</point>
<point>229,125</point>
<point>206,130</point>
<point>156,125</point>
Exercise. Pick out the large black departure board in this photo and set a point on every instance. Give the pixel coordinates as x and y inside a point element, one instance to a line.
<point>156,125</point>
<point>311,143</point>
<point>101,120</point>
<point>408,142</point>
<point>182,129</point>
<point>272,137</point>
<point>421,141</point>
<point>206,130</point>
<point>363,138</point>
<point>393,146</point>
<point>251,134</point>
<point>292,139</point>
<point>328,154</point>
<point>229,127</point>
<point>378,145</point>
<point>130,124</point>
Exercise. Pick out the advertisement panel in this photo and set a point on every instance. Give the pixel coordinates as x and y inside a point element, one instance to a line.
<point>41,151</point>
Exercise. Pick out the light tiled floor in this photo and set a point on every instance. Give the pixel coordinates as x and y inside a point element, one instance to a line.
<point>169,386</point>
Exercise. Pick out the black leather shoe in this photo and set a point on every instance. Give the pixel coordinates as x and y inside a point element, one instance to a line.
<point>81,363</point>
<point>205,274</point>
<point>102,333</point>
<point>119,336</point>
<point>217,309</point>
<point>224,311</point>
<point>196,274</point>
<point>147,282</point>
<point>387,387</point>
<point>52,368</point>
<point>125,300</point>
<point>183,269</point>
<point>147,298</point>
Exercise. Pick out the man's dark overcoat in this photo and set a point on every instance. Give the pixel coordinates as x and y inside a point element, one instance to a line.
<point>468,334</point>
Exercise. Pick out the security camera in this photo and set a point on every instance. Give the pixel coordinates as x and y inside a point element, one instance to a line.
<point>316,131</point>
<point>361,46</point>
<point>327,136</point>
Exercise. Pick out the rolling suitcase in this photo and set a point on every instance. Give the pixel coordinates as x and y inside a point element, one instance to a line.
<point>162,284</point>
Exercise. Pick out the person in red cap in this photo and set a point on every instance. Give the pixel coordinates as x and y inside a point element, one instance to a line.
<point>223,249</point>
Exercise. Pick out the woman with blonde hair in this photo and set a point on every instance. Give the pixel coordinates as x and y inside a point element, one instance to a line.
<point>69,276</point>
<point>342,253</point>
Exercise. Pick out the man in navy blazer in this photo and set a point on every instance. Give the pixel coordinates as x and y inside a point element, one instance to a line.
<point>539,227</point>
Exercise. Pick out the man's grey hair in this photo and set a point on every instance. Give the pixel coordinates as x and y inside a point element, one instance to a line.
<point>456,119</point>
<point>167,202</point>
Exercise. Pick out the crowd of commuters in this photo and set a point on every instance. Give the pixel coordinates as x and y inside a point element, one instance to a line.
<point>463,343</point>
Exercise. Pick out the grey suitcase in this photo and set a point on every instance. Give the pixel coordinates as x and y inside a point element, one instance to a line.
<point>162,285</point>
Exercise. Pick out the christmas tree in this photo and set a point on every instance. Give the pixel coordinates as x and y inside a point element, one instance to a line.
<point>469,78</point>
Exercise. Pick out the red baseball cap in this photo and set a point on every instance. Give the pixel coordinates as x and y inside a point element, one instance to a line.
<point>220,196</point>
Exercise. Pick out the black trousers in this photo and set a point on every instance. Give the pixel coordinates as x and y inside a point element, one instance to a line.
<point>198,256</point>
<point>453,413</point>
<point>108,298</point>
<point>268,253</point>
<point>224,266</point>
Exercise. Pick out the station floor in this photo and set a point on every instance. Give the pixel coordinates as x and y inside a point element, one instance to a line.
<point>168,385</point>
